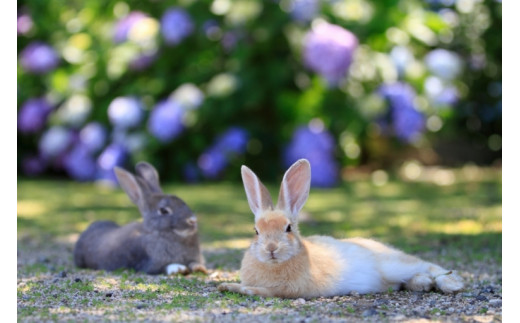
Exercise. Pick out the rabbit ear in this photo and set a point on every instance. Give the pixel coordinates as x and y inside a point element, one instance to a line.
<point>130,185</point>
<point>148,173</point>
<point>257,195</point>
<point>294,190</point>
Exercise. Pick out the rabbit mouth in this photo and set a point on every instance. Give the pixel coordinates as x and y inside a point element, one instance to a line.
<point>273,260</point>
<point>272,257</point>
<point>185,233</point>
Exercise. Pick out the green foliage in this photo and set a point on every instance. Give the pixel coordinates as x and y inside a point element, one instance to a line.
<point>275,92</point>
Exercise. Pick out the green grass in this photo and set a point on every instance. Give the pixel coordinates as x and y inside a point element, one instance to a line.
<point>414,216</point>
<point>459,223</point>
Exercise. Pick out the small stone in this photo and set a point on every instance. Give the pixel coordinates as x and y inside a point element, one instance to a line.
<point>354,293</point>
<point>109,294</point>
<point>379,302</point>
<point>481,298</point>
<point>62,274</point>
<point>77,280</point>
<point>43,259</point>
<point>300,301</point>
<point>369,312</point>
<point>488,289</point>
<point>140,306</point>
<point>495,302</point>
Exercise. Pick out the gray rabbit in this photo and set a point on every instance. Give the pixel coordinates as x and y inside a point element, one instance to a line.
<point>166,241</point>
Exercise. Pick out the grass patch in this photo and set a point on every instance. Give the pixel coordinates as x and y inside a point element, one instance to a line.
<point>457,224</point>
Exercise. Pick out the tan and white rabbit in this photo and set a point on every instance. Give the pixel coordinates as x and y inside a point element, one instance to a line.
<point>281,263</point>
<point>166,241</point>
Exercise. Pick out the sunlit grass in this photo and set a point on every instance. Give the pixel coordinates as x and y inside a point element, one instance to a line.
<point>398,212</point>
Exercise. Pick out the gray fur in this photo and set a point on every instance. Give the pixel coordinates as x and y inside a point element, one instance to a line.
<point>148,246</point>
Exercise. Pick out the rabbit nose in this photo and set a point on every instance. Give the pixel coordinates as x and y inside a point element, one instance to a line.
<point>271,247</point>
<point>191,220</point>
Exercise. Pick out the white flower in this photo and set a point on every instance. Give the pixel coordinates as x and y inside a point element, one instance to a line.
<point>188,95</point>
<point>125,112</point>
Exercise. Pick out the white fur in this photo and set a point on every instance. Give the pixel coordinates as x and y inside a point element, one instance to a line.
<point>185,233</point>
<point>368,266</point>
<point>173,269</point>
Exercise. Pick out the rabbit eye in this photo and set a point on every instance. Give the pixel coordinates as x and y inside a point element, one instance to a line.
<point>288,229</point>
<point>165,210</point>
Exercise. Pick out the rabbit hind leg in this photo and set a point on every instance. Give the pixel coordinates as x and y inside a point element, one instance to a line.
<point>446,281</point>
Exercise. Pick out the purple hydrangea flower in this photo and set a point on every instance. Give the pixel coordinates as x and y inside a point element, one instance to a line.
<point>33,165</point>
<point>233,141</point>
<point>93,136</point>
<point>38,58</point>
<point>165,121</point>
<point>444,63</point>
<point>24,24</point>
<point>229,40</point>
<point>439,93</point>
<point>125,112</point>
<point>80,164</point>
<point>317,146</point>
<point>212,162</point>
<point>143,61</point>
<point>123,26</point>
<point>215,159</point>
<point>328,50</point>
<point>33,115</point>
<point>113,155</point>
<point>176,24</point>
<point>449,96</point>
<point>401,57</point>
<point>55,142</point>
<point>407,122</point>
<point>211,29</point>
<point>446,3</point>
<point>133,142</point>
<point>304,10</point>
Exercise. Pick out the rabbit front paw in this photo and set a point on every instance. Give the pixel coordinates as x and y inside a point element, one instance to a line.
<point>245,290</point>
<point>196,267</point>
<point>173,269</point>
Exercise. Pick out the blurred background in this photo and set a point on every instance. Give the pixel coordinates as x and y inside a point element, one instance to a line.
<point>198,88</point>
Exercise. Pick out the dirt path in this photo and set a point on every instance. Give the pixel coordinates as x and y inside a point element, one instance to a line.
<point>51,288</point>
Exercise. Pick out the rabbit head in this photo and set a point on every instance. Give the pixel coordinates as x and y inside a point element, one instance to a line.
<point>277,238</point>
<point>161,212</point>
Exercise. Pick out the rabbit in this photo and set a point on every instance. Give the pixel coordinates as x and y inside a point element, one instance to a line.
<point>280,263</point>
<point>166,241</point>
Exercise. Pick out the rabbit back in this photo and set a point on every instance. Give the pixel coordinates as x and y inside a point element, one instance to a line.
<point>105,245</point>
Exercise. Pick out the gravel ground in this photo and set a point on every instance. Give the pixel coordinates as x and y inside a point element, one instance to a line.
<point>50,288</point>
